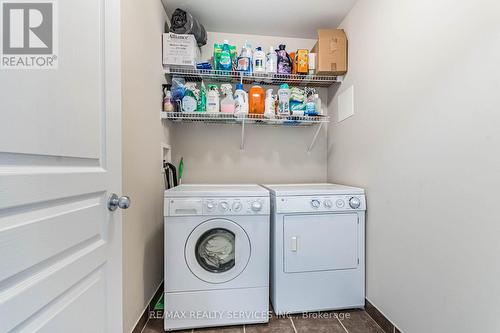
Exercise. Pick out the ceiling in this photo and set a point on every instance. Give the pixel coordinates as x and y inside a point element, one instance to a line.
<point>290,18</point>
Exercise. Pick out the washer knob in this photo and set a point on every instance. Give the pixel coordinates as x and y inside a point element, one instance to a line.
<point>224,206</point>
<point>256,206</point>
<point>327,203</point>
<point>315,203</point>
<point>237,206</point>
<point>210,205</point>
<point>354,203</point>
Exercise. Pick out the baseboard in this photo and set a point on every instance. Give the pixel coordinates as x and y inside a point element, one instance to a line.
<point>380,318</point>
<point>143,319</point>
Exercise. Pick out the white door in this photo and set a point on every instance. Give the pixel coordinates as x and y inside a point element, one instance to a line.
<point>60,158</point>
<point>320,242</point>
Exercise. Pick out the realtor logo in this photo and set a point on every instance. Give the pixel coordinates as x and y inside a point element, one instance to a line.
<point>29,39</point>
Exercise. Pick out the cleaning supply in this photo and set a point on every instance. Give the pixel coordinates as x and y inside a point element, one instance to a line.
<point>225,62</point>
<point>189,100</point>
<point>259,61</point>
<point>271,61</point>
<point>240,101</point>
<point>284,100</point>
<point>284,60</point>
<point>312,63</point>
<point>256,100</point>
<point>294,65</point>
<point>269,111</point>
<point>317,101</point>
<point>244,62</point>
<point>201,105</point>
<point>227,102</point>
<point>168,106</point>
<point>213,99</point>
<point>302,61</point>
<point>181,170</point>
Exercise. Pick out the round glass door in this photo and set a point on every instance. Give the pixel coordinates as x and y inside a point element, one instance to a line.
<point>217,251</point>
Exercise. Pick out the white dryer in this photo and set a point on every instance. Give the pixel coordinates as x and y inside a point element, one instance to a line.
<point>317,247</point>
<point>216,255</point>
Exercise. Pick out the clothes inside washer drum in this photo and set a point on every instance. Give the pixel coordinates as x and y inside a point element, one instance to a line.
<point>217,250</point>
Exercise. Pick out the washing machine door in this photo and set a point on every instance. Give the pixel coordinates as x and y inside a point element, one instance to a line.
<point>217,251</point>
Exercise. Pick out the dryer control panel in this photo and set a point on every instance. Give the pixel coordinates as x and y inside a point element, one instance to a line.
<point>309,204</point>
<point>218,206</point>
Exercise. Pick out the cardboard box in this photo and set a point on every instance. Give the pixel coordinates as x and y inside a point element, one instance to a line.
<point>331,52</point>
<point>180,50</point>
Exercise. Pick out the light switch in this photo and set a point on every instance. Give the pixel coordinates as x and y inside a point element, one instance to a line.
<point>346,104</point>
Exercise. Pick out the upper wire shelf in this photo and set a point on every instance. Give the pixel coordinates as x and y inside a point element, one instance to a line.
<point>264,78</point>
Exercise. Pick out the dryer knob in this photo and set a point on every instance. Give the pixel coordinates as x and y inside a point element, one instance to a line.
<point>210,205</point>
<point>256,206</point>
<point>354,203</point>
<point>315,203</point>
<point>328,203</point>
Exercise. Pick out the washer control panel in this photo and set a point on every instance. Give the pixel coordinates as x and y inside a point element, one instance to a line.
<point>236,206</point>
<point>218,206</point>
<point>331,203</point>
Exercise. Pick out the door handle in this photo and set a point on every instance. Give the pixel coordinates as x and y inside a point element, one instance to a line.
<point>293,243</point>
<point>115,202</point>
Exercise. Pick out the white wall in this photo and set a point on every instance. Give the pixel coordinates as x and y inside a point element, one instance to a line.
<point>424,142</point>
<point>142,25</point>
<point>272,154</point>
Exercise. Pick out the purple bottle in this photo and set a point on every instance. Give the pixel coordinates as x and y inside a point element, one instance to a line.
<point>284,61</point>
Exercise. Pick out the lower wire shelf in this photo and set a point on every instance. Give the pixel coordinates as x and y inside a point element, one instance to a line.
<point>249,119</point>
<point>257,119</point>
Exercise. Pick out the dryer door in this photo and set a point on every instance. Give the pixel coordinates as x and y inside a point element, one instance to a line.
<point>320,242</point>
<point>217,251</point>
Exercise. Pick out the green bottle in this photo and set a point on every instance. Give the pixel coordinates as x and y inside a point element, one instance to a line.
<point>201,105</point>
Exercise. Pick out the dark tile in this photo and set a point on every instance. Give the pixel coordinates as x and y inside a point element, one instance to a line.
<point>358,321</point>
<point>224,329</point>
<point>318,322</point>
<point>276,324</point>
<point>381,320</point>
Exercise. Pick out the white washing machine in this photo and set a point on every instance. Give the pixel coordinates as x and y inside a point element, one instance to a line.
<point>216,255</point>
<point>317,247</point>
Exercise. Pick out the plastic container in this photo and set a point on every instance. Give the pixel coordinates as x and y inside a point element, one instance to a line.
<point>201,105</point>
<point>271,61</point>
<point>256,97</point>
<point>259,61</point>
<point>269,110</point>
<point>189,101</point>
<point>168,106</point>
<point>240,101</point>
<point>244,61</point>
<point>284,100</point>
<point>225,62</point>
<point>227,102</point>
<point>284,60</point>
<point>213,99</point>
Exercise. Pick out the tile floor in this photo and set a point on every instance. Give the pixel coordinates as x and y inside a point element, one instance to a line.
<point>349,321</point>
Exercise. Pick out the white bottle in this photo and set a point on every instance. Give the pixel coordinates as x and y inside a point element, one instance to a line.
<point>213,103</point>
<point>271,61</point>
<point>269,111</point>
<point>284,100</point>
<point>240,101</point>
<point>259,61</point>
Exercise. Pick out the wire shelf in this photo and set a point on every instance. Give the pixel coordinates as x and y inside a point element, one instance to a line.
<point>227,118</point>
<point>264,78</point>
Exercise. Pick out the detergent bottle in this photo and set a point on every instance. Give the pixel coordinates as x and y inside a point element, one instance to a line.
<point>240,101</point>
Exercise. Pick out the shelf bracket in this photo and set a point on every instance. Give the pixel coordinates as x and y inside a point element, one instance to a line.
<point>242,144</point>
<point>315,137</point>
